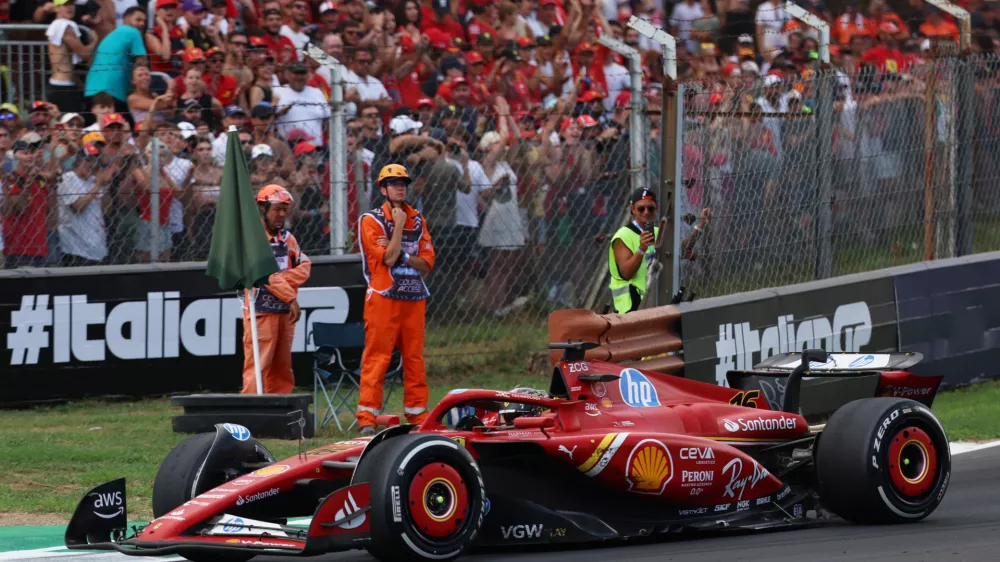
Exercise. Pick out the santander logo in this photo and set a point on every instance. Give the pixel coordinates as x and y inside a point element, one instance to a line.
<point>760,424</point>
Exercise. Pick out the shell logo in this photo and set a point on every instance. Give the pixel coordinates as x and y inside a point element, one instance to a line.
<point>650,467</point>
<point>270,470</point>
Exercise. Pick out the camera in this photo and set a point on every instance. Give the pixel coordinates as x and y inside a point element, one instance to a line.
<point>648,226</point>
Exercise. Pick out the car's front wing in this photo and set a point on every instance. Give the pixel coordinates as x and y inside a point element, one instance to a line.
<point>341,522</point>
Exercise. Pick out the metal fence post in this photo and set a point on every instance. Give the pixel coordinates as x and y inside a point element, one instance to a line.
<point>813,21</point>
<point>677,177</point>
<point>966,141</point>
<point>337,148</point>
<point>824,133</point>
<point>959,208</point>
<point>825,84</point>
<point>670,148</point>
<point>638,141</point>
<point>154,206</point>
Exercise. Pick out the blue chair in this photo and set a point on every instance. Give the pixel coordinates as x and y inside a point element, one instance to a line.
<point>337,370</point>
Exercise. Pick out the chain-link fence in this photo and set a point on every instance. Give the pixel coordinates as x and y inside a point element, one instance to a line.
<point>838,173</point>
<point>121,192</point>
<point>809,175</point>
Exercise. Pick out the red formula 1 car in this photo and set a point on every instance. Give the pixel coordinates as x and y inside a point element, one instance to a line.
<point>608,452</point>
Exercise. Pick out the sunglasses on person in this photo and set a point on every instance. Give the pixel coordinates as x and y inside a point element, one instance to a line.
<point>646,208</point>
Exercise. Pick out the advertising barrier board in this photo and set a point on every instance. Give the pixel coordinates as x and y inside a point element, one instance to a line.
<point>949,311</point>
<point>847,314</point>
<point>146,330</point>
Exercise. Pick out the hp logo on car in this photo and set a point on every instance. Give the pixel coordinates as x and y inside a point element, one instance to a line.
<point>235,525</point>
<point>862,361</point>
<point>238,432</point>
<point>636,389</point>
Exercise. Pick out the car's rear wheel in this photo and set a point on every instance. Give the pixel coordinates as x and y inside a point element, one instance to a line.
<point>427,498</point>
<point>883,460</point>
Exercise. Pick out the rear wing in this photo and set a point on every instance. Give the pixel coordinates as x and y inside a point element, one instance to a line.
<point>884,373</point>
<point>843,362</point>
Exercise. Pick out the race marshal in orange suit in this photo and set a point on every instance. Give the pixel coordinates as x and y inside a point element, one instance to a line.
<point>276,305</point>
<point>396,253</point>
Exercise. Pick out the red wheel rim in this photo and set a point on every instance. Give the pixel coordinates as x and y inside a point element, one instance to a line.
<point>912,462</point>
<point>438,500</point>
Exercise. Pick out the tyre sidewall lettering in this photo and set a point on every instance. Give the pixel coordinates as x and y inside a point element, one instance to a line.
<point>879,464</point>
<point>467,469</point>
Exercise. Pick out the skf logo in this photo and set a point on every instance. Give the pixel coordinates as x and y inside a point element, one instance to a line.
<point>747,399</point>
<point>650,467</point>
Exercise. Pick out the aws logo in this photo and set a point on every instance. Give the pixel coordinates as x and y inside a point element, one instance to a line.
<point>103,503</point>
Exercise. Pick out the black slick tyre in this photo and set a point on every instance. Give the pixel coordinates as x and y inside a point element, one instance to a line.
<point>883,460</point>
<point>178,472</point>
<point>175,484</point>
<point>427,498</point>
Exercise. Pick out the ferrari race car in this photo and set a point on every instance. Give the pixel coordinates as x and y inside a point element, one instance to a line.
<point>608,452</point>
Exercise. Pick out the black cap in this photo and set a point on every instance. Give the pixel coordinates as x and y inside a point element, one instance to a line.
<point>438,134</point>
<point>448,111</point>
<point>297,67</point>
<point>442,6</point>
<point>510,52</point>
<point>485,38</point>
<point>640,194</point>
<point>262,109</point>
<point>543,41</point>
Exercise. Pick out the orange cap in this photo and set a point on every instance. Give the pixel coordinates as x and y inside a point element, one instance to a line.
<point>274,194</point>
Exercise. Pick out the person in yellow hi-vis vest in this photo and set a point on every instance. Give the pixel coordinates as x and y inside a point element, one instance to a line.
<point>631,252</point>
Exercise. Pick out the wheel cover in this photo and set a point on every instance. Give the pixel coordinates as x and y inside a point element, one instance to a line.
<point>913,462</point>
<point>438,501</point>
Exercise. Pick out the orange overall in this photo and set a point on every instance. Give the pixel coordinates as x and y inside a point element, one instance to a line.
<point>394,313</point>
<point>275,329</point>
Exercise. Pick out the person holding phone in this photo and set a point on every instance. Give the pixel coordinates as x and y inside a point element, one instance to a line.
<point>631,251</point>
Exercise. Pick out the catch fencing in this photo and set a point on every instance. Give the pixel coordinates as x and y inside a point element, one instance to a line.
<point>840,173</point>
<point>849,173</point>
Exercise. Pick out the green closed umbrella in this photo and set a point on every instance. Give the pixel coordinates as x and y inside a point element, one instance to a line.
<point>240,256</point>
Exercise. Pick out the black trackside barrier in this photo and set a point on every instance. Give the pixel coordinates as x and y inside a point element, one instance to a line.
<point>849,314</point>
<point>145,330</point>
<point>948,310</point>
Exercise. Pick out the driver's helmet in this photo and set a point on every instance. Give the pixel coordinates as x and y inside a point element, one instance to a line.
<point>511,410</point>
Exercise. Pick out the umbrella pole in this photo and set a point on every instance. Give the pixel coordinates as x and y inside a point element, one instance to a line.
<point>256,345</point>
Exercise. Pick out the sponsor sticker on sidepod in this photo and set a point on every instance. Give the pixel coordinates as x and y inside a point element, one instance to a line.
<point>760,423</point>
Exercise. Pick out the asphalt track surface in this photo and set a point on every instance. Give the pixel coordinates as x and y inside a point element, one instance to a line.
<point>966,526</point>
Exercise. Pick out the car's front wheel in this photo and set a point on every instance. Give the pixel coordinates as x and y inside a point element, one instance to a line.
<point>883,460</point>
<point>427,498</point>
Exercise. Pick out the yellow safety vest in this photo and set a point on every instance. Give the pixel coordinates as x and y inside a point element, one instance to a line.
<point>621,294</point>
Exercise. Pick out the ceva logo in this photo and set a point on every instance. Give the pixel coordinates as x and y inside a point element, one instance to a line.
<point>636,389</point>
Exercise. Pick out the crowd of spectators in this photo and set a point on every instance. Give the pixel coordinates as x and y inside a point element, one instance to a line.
<point>510,115</point>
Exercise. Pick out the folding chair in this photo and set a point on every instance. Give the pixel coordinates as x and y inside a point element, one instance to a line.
<point>333,371</point>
